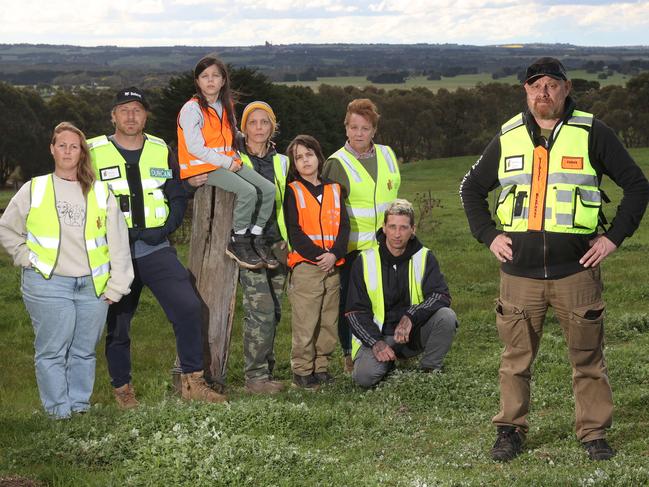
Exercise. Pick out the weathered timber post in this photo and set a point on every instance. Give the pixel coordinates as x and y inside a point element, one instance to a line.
<point>215,275</point>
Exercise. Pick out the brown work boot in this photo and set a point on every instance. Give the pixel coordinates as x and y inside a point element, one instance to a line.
<point>125,397</point>
<point>264,386</point>
<point>195,388</point>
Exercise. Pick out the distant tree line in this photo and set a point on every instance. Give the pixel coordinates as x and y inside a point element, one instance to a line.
<point>417,123</point>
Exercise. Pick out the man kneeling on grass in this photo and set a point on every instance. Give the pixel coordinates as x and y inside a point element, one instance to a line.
<point>398,305</point>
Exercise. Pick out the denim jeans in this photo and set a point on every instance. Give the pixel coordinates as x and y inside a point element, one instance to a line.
<point>68,321</point>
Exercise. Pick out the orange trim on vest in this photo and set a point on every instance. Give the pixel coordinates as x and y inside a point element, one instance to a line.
<point>320,222</point>
<point>216,133</point>
<point>537,192</point>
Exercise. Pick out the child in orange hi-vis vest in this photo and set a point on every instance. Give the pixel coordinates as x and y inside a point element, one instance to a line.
<point>207,154</point>
<point>318,230</point>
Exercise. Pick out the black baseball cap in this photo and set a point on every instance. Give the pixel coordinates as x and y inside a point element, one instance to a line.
<point>545,66</point>
<point>129,94</point>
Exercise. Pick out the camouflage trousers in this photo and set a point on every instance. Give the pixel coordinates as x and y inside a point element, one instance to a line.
<point>263,290</point>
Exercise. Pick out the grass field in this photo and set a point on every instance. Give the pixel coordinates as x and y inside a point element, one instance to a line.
<point>462,81</point>
<point>413,430</point>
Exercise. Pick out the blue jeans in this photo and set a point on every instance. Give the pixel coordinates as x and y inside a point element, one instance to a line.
<point>68,321</point>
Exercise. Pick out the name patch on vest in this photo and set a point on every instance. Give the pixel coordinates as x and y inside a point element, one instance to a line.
<point>108,173</point>
<point>158,172</point>
<point>568,162</point>
<point>513,163</point>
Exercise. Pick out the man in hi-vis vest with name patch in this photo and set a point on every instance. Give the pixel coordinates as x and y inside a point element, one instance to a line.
<point>144,176</point>
<point>548,163</point>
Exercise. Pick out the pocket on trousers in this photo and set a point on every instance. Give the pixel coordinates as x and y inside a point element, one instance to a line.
<point>513,326</point>
<point>586,329</point>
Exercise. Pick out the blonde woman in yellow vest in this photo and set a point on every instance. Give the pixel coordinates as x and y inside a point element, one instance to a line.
<point>369,175</point>
<point>263,289</point>
<point>67,233</point>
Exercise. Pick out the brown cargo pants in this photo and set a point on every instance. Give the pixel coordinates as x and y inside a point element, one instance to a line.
<point>520,313</point>
<point>314,297</point>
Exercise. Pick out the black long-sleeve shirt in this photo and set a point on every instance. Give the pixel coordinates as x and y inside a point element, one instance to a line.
<point>300,241</point>
<point>173,190</point>
<point>396,294</point>
<point>553,255</point>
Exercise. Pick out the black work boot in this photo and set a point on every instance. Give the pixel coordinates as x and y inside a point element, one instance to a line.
<point>240,249</point>
<point>264,251</point>
<point>509,444</point>
<point>308,382</point>
<point>598,449</point>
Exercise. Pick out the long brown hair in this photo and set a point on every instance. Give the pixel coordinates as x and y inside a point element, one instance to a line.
<point>85,173</point>
<point>310,143</point>
<point>227,96</point>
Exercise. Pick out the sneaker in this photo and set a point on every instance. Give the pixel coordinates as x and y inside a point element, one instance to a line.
<point>509,444</point>
<point>240,249</point>
<point>125,397</point>
<point>264,386</point>
<point>308,382</point>
<point>324,378</point>
<point>348,364</point>
<point>260,245</point>
<point>196,388</point>
<point>598,449</point>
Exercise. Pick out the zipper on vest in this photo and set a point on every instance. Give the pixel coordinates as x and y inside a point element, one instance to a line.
<point>322,239</point>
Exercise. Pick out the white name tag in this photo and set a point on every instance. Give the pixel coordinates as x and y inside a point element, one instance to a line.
<point>514,163</point>
<point>109,173</point>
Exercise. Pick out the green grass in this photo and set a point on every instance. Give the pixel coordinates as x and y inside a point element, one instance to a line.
<point>461,81</point>
<point>413,430</point>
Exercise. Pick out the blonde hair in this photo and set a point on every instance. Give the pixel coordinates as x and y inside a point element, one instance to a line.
<point>365,108</point>
<point>400,207</point>
<point>85,173</point>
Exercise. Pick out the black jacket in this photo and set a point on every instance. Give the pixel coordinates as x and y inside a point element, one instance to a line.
<point>396,294</point>
<point>549,255</point>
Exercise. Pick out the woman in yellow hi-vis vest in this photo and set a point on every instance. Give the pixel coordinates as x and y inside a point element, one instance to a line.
<point>369,175</point>
<point>67,233</point>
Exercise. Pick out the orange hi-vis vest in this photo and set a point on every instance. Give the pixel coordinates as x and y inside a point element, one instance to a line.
<point>319,221</point>
<point>217,134</point>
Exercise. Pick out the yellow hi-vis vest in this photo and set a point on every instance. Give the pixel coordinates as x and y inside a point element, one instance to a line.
<point>555,190</point>
<point>44,230</point>
<point>280,168</point>
<point>368,199</point>
<point>373,277</point>
<point>110,166</point>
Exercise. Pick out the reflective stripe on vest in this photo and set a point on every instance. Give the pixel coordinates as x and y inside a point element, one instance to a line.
<point>44,230</point>
<point>217,135</point>
<point>373,277</point>
<point>110,167</point>
<point>555,190</point>
<point>368,199</point>
<point>280,169</point>
<point>320,221</point>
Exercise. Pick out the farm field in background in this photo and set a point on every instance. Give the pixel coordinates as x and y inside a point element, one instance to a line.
<point>460,81</point>
<point>413,430</point>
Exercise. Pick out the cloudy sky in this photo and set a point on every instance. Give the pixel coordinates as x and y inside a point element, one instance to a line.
<point>252,22</point>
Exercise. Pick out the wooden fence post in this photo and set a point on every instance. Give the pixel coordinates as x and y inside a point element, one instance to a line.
<point>215,274</point>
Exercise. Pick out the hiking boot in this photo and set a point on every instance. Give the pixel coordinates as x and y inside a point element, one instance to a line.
<point>509,444</point>
<point>348,364</point>
<point>264,252</point>
<point>195,388</point>
<point>598,449</point>
<point>125,397</point>
<point>324,378</point>
<point>308,382</point>
<point>240,249</point>
<point>264,386</point>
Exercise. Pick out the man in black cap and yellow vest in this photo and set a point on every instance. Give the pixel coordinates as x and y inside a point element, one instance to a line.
<point>144,176</point>
<point>549,162</point>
